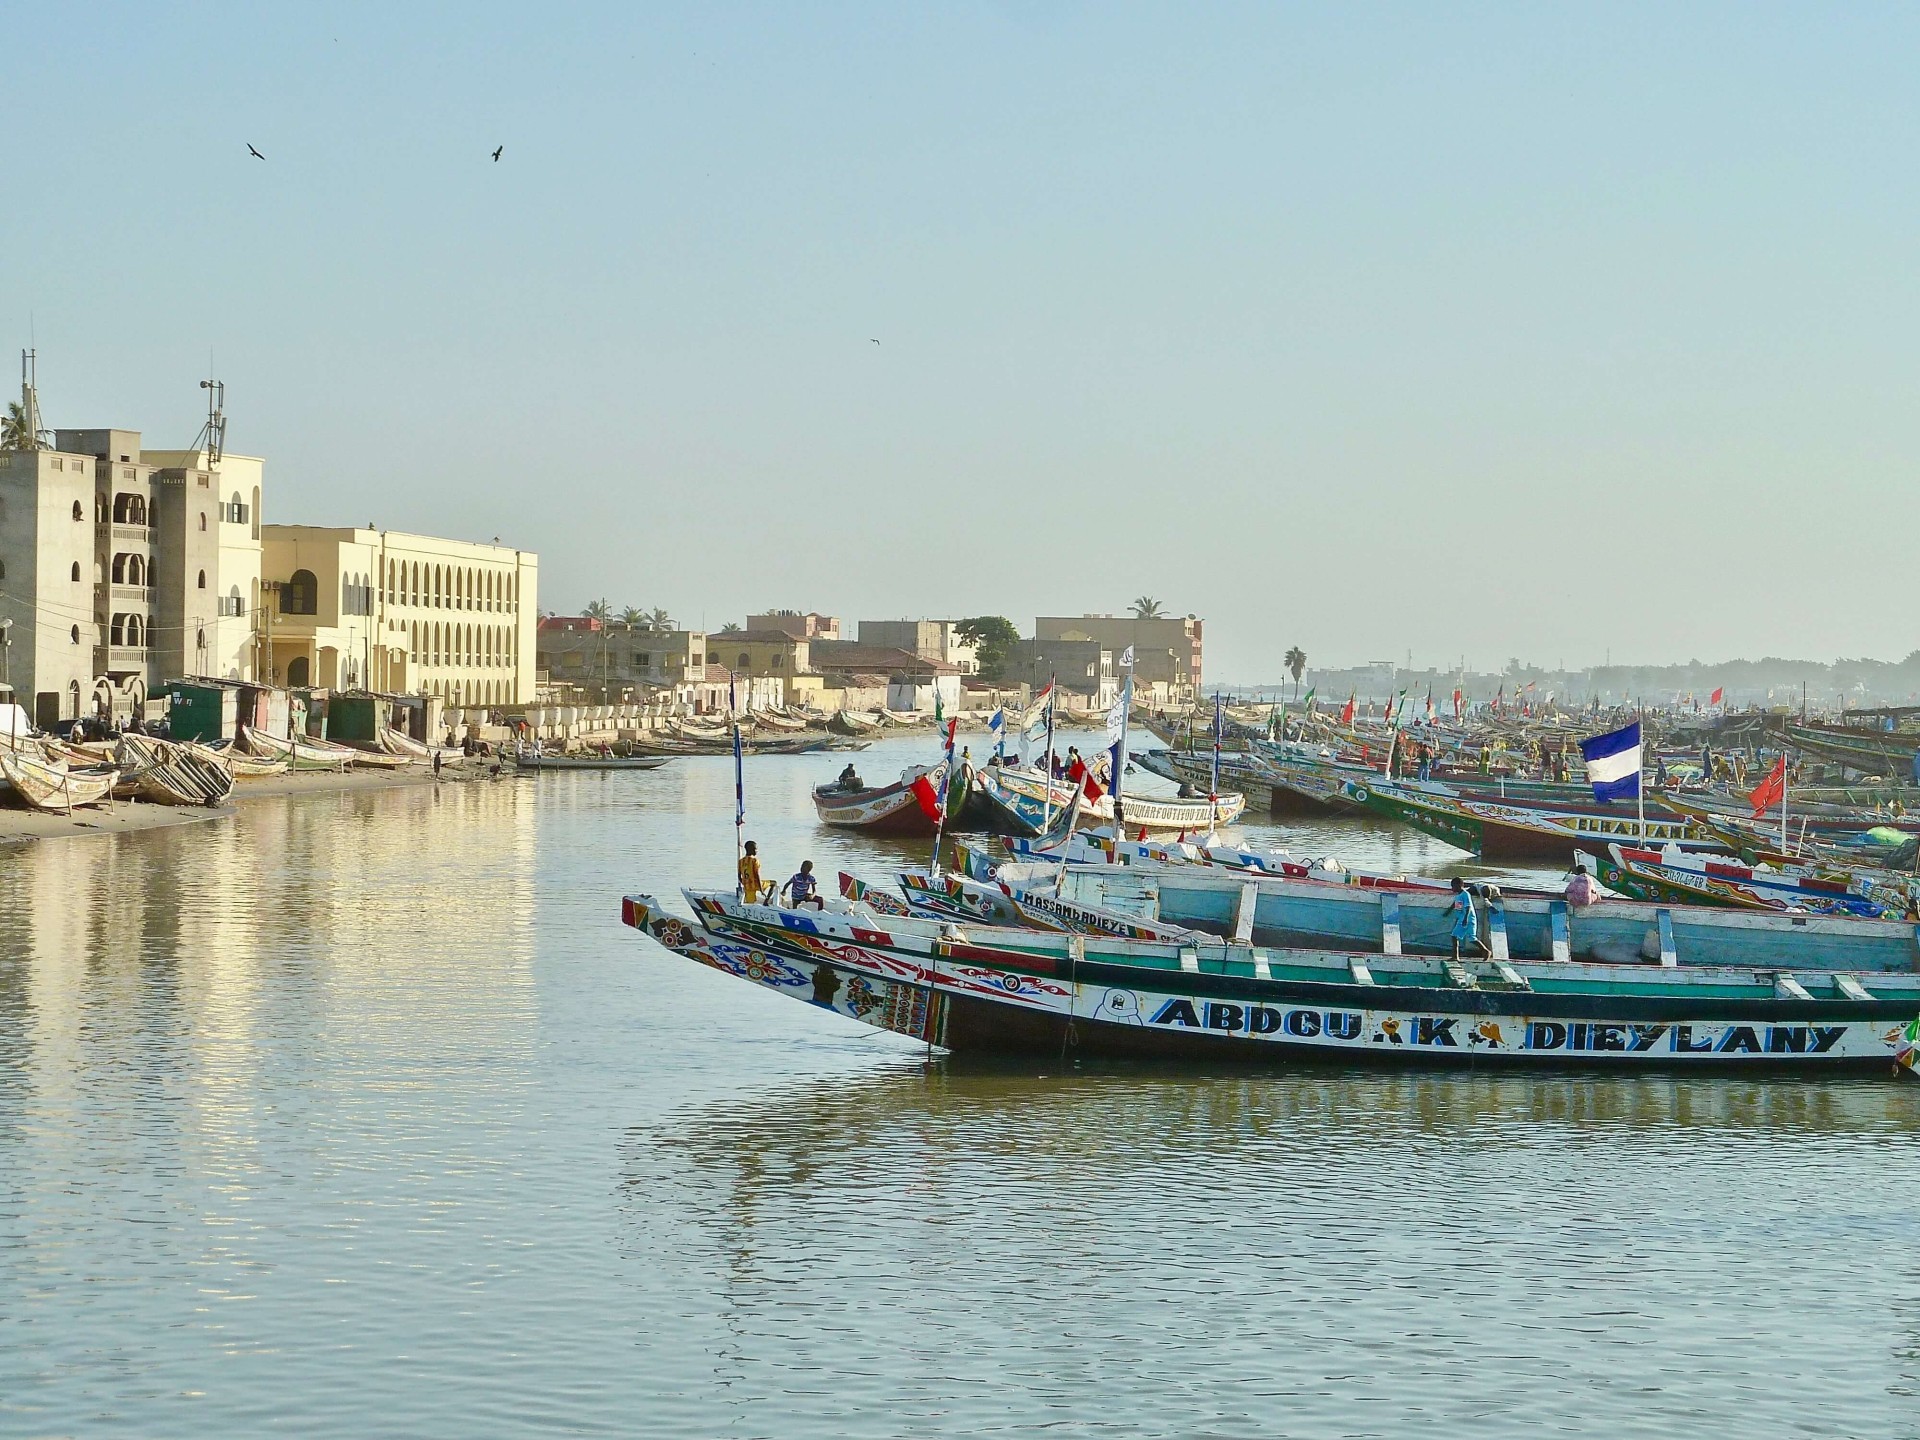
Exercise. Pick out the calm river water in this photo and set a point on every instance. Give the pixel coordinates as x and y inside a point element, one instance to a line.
<point>363,1116</point>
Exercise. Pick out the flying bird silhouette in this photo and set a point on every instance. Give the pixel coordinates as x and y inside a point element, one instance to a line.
<point>876,342</point>
<point>496,155</point>
<point>255,153</point>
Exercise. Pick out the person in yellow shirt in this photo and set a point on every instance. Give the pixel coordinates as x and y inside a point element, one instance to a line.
<point>752,887</point>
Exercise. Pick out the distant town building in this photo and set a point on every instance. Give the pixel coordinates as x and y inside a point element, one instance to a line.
<point>801,626</point>
<point>913,682</point>
<point>1166,652</point>
<point>122,568</point>
<point>1083,669</point>
<point>363,608</point>
<point>929,639</point>
<point>610,660</point>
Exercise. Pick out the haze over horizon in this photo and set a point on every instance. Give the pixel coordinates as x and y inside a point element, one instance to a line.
<point>1500,332</point>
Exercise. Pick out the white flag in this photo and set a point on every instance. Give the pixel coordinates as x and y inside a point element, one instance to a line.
<point>1117,716</point>
<point>1126,660</point>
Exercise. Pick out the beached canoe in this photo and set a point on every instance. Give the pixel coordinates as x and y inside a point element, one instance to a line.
<point>41,786</point>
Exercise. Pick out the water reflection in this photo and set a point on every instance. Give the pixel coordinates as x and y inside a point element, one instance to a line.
<point>1163,1251</point>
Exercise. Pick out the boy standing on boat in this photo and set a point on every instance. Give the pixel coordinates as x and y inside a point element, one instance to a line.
<point>1466,926</point>
<point>752,887</point>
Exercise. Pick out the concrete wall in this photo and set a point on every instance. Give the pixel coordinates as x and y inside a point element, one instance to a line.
<point>41,543</point>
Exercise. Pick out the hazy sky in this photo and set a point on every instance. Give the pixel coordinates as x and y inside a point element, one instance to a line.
<point>1502,330</point>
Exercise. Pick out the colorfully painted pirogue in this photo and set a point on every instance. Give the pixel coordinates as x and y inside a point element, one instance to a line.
<point>977,988</point>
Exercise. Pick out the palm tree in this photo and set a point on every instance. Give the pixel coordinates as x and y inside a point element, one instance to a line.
<point>597,610</point>
<point>730,628</point>
<point>14,434</point>
<point>1146,608</point>
<point>1297,663</point>
<point>634,619</point>
<point>660,620</point>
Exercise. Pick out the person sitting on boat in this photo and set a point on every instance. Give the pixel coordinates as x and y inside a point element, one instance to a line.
<point>752,887</point>
<point>850,779</point>
<point>1466,925</point>
<point>1580,887</point>
<point>804,888</point>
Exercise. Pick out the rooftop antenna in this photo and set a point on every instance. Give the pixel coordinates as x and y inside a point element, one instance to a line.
<point>214,432</point>
<point>37,437</point>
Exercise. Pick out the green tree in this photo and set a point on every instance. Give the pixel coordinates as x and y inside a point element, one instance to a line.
<point>730,628</point>
<point>1297,663</point>
<point>14,434</point>
<point>1147,608</point>
<point>633,619</point>
<point>597,610</point>
<point>659,619</point>
<point>993,638</point>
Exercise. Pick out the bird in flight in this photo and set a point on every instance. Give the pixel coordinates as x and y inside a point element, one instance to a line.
<point>876,342</point>
<point>255,153</point>
<point>496,155</point>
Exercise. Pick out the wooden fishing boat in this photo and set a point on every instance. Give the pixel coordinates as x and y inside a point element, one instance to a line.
<point>1026,802</point>
<point>42,786</point>
<point>883,809</point>
<point>238,762</point>
<point>851,722</point>
<point>772,720</point>
<point>1515,829</point>
<point>301,752</point>
<point>1414,915</point>
<point>1723,880</point>
<point>1035,907</point>
<point>164,773</point>
<point>971,988</point>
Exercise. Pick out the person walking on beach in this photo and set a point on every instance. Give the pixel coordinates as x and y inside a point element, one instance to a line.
<point>804,888</point>
<point>752,887</point>
<point>1466,926</point>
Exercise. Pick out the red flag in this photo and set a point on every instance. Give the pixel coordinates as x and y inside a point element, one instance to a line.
<point>1717,696</point>
<point>1772,790</point>
<point>1346,712</point>
<point>928,795</point>
<point>1456,704</point>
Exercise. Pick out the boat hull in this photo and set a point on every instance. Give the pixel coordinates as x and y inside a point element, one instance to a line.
<point>961,994</point>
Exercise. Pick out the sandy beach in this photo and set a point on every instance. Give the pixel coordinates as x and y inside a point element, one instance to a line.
<point>19,825</point>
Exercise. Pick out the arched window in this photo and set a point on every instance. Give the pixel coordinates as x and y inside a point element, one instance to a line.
<point>235,605</point>
<point>136,571</point>
<point>203,520</point>
<point>120,568</point>
<point>76,640</point>
<point>79,513</point>
<point>746,662</point>
<point>298,671</point>
<point>203,580</point>
<point>301,594</point>
<point>76,572</point>
<point>256,512</point>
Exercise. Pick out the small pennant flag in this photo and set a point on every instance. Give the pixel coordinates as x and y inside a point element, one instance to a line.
<point>1770,791</point>
<point>1718,696</point>
<point>928,794</point>
<point>1613,763</point>
<point>1457,697</point>
<point>1346,711</point>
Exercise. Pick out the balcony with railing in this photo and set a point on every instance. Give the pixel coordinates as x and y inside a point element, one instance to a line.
<point>118,659</point>
<point>126,596</point>
<point>131,534</point>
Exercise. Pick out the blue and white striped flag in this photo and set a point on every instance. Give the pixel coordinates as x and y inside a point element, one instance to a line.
<point>1613,763</point>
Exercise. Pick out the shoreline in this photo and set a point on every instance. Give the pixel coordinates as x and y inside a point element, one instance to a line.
<point>20,826</point>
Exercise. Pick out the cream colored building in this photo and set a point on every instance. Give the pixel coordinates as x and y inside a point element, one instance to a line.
<point>357,608</point>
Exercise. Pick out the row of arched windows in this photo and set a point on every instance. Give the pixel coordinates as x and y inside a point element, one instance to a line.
<point>450,587</point>
<point>132,569</point>
<point>130,630</point>
<point>462,645</point>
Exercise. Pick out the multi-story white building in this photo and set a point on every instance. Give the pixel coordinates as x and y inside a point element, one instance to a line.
<point>373,609</point>
<point>122,568</point>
